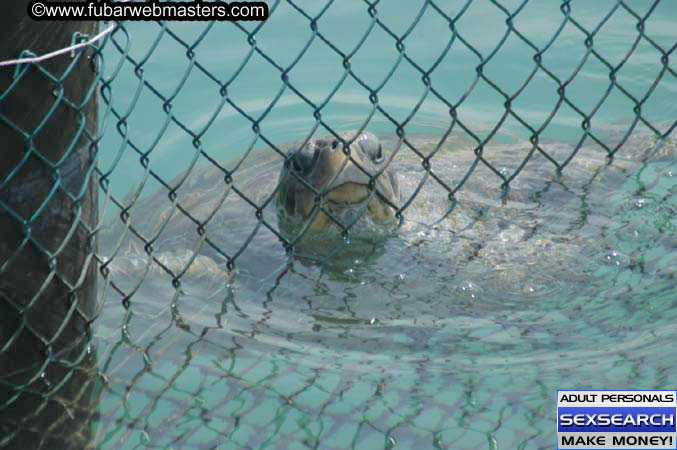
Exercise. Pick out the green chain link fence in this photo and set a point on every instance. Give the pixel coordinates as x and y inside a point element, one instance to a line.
<point>50,381</point>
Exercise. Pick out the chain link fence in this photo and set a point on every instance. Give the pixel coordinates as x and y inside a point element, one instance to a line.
<point>63,222</point>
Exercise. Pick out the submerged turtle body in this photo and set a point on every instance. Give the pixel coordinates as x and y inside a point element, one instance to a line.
<point>450,202</point>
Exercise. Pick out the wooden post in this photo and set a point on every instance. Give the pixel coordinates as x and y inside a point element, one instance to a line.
<point>48,207</point>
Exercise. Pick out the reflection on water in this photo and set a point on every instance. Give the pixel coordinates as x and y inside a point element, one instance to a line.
<point>52,404</point>
<point>455,335</point>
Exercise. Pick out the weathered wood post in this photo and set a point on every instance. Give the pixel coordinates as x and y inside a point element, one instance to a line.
<point>48,208</point>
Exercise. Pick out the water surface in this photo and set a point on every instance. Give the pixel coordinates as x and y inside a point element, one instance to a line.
<point>418,342</point>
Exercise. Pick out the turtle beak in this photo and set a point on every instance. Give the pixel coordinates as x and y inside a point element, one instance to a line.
<point>342,180</point>
<point>358,169</point>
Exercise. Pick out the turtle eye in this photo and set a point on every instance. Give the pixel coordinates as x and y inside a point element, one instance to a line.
<point>304,159</point>
<point>379,155</point>
<point>371,146</point>
<point>296,165</point>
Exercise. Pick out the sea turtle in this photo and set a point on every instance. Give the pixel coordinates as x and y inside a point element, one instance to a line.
<point>338,199</point>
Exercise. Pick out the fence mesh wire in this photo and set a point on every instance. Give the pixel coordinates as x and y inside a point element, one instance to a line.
<point>52,384</point>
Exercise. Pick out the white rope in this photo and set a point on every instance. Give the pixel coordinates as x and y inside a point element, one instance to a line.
<point>61,51</point>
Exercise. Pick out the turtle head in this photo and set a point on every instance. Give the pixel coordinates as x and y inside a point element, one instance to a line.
<point>330,175</point>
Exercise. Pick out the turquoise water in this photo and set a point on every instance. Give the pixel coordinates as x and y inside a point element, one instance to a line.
<point>413,345</point>
<point>222,49</point>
